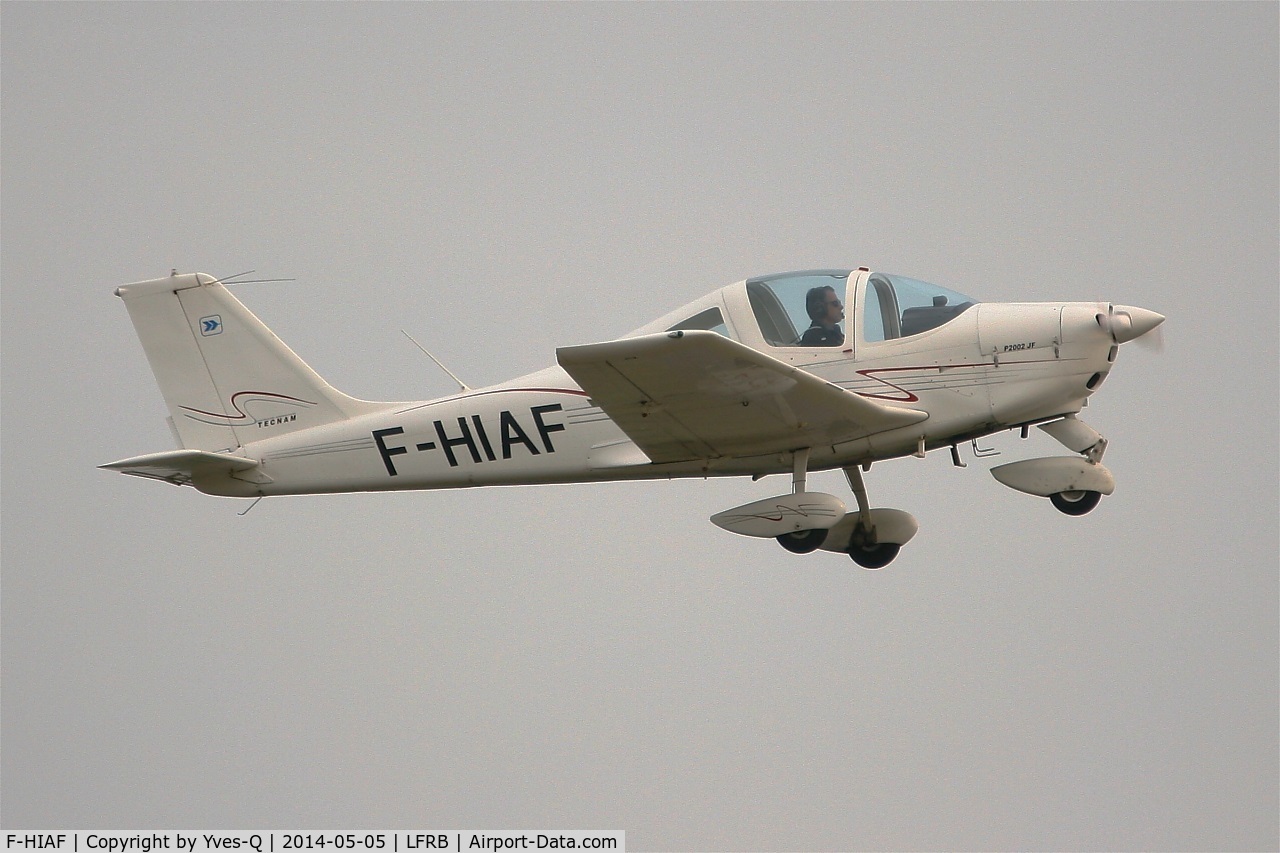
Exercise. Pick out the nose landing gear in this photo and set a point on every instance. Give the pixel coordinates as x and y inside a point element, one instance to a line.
<point>1075,484</point>
<point>1076,502</point>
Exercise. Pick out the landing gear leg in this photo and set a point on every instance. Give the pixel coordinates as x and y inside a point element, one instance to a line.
<point>864,548</point>
<point>802,541</point>
<point>800,471</point>
<point>854,475</point>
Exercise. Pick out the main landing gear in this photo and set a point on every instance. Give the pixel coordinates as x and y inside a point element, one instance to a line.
<point>874,556</point>
<point>803,541</point>
<point>871,537</point>
<point>803,521</point>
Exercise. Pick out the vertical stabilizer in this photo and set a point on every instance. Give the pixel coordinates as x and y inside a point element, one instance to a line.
<point>226,378</point>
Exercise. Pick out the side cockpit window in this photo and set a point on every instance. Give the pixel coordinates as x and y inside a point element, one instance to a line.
<point>895,306</point>
<point>710,320</point>
<point>802,309</point>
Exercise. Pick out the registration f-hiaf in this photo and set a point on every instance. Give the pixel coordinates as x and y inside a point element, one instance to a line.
<point>782,374</point>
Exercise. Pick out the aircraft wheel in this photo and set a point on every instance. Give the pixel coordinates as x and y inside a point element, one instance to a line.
<point>803,541</point>
<point>1075,503</point>
<point>875,556</point>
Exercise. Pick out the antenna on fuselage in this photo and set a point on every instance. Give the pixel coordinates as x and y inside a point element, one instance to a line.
<point>230,279</point>
<point>461,385</point>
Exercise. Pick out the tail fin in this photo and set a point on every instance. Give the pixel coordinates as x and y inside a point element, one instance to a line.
<point>226,378</point>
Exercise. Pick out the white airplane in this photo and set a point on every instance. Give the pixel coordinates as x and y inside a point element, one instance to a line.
<point>766,376</point>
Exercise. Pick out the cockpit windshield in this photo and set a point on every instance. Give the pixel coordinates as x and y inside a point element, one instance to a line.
<point>898,307</point>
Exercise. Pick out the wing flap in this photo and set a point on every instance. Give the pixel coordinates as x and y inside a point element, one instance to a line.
<point>698,395</point>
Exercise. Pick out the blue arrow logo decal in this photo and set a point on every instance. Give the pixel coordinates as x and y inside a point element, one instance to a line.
<point>211,325</point>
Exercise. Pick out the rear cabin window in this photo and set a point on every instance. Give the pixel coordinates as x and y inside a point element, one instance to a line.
<point>710,320</point>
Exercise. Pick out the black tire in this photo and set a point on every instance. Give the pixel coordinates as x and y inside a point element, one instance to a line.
<point>803,541</point>
<point>875,556</point>
<point>1075,503</point>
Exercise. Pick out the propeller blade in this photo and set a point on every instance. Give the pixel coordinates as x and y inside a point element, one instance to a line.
<point>1105,318</point>
<point>1152,341</point>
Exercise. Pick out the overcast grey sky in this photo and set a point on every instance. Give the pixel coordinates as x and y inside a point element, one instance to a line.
<point>502,179</point>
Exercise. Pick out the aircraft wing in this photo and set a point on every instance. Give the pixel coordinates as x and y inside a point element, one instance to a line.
<point>698,395</point>
<point>179,466</point>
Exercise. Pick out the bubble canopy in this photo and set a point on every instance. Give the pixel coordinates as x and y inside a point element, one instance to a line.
<point>892,306</point>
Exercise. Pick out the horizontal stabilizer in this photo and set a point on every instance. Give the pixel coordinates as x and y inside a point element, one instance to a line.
<point>181,466</point>
<point>698,395</point>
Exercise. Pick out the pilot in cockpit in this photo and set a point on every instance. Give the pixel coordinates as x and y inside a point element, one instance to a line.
<point>826,312</point>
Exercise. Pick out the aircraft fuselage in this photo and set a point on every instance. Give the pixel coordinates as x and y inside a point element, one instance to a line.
<point>992,368</point>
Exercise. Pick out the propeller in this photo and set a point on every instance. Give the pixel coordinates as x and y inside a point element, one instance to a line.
<point>1126,323</point>
<point>1152,341</point>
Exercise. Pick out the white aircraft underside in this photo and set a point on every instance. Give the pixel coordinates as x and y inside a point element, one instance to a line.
<point>728,385</point>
